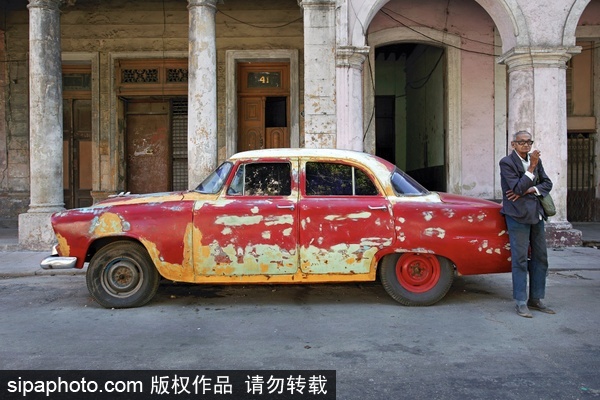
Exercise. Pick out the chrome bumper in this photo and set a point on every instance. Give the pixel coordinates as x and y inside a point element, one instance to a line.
<point>56,262</point>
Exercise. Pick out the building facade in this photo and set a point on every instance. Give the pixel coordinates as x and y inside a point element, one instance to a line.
<point>101,97</point>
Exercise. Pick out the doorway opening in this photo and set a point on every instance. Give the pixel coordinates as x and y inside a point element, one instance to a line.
<point>410,104</point>
<point>77,136</point>
<point>263,106</point>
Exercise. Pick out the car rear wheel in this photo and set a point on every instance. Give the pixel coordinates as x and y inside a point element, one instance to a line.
<point>122,275</point>
<point>416,279</point>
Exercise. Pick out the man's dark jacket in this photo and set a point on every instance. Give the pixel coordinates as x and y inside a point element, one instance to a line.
<point>527,208</point>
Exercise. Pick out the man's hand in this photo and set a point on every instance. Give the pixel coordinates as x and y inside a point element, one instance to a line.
<point>534,158</point>
<point>512,196</point>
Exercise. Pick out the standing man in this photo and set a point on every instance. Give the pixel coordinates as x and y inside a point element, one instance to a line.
<point>523,179</point>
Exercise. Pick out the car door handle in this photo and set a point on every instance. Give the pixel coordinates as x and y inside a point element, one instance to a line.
<point>377,207</point>
<point>288,207</point>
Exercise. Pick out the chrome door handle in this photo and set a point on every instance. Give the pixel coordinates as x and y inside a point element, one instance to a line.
<point>288,207</point>
<point>377,207</point>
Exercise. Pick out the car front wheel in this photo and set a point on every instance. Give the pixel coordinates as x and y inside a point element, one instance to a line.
<point>122,275</point>
<point>416,279</point>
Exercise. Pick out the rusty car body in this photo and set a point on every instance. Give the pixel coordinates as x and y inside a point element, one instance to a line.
<point>285,216</point>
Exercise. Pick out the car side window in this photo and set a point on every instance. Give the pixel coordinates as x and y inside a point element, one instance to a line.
<point>333,179</point>
<point>262,179</point>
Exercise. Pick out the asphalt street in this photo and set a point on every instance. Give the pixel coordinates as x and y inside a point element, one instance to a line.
<point>471,345</point>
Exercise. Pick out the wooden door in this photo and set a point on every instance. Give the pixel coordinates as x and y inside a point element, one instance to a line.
<point>251,123</point>
<point>77,153</point>
<point>148,147</point>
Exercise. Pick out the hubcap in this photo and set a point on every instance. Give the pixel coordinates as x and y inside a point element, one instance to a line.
<point>418,273</point>
<point>122,277</point>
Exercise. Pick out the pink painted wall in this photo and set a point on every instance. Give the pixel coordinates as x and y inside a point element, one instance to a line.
<point>591,14</point>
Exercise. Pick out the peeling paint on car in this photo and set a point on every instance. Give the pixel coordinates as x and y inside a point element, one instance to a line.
<point>238,221</point>
<point>63,245</point>
<point>435,232</point>
<point>362,215</point>
<point>107,224</point>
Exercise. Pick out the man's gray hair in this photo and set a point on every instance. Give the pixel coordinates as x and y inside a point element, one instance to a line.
<point>514,136</point>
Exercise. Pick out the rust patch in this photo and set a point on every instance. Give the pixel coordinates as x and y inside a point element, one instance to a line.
<point>176,272</point>
<point>63,246</point>
<point>108,224</point>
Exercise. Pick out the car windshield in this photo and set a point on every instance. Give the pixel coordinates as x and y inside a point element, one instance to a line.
<point>215,181</point>
<point>404,185</point>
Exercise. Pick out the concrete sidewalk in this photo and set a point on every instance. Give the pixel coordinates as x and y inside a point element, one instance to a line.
<point>17,263</point>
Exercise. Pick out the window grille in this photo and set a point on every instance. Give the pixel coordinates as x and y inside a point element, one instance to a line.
<point>179,145</point>
<point>177,75</point>
<point>139,75</point>
<point>581,189</point>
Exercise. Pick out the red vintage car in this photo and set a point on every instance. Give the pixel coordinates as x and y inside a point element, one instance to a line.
<point>285,216</point>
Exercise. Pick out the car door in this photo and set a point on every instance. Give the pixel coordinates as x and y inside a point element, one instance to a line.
<point>252,228</point>
<point>344,219</point>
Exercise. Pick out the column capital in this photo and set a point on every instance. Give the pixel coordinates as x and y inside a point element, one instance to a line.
<point>316,3</point>
<point>351,56</point>
<point>204,3</point>
<point>47,4</point>
<point>538,57</point>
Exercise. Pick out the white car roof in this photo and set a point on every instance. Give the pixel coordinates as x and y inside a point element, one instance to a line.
<point>361,157</point>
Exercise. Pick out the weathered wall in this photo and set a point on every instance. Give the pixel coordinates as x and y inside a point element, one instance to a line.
<point>14,132</point>
<point>125,28</point>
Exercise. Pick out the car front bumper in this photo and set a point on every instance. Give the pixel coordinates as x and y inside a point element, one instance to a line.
<point>56,262</point>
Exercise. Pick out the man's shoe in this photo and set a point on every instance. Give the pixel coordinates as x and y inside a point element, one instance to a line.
<point>523,311</point>
<point>539,306</point>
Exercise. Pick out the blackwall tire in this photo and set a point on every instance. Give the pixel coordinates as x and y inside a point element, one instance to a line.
<point>122,275</point>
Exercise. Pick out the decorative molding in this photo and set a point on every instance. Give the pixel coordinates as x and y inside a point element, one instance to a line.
<point>519,58</point>
<point>352,56</point>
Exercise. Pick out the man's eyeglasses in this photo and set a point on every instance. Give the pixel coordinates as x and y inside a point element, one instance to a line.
<point>524,142</point>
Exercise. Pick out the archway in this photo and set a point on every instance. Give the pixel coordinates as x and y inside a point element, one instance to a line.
<point>436,160</point>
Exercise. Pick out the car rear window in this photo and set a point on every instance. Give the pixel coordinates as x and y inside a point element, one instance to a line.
<point>335,179</point>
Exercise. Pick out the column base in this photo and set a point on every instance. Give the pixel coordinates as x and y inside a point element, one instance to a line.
<point>562,234</point>
<point>35,231</point>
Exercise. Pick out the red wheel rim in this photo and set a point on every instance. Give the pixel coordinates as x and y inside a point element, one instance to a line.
<point>418,273</point>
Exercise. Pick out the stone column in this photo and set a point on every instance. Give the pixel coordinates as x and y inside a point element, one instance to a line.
<point>537,103</point>
<point>45,125</point>
<point>202,91</point>
<point>350,62</point>
<point>319,73</point>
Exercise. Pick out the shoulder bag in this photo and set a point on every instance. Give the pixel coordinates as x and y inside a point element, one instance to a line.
<point>548,204</point>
